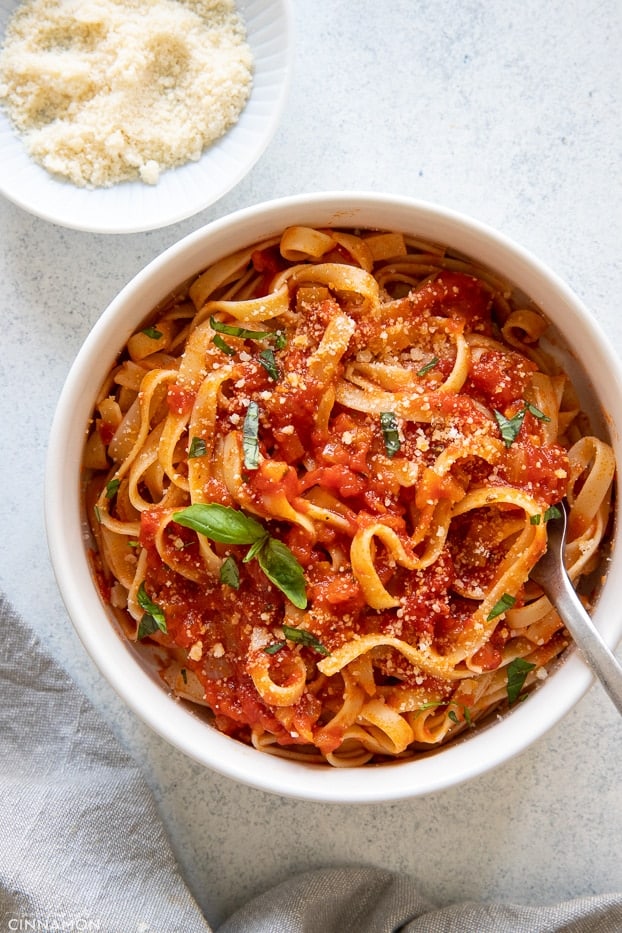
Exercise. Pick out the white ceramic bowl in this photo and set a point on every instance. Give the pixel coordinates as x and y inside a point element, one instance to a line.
<point>118,660</point>
<point>131,207</point>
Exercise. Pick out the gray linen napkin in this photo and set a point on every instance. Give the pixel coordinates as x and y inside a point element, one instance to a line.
<point>82,846</point>
<point>81,841</point>
<point>370,900</point>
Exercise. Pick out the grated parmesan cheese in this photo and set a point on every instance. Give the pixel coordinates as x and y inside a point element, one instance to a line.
<point>109,90</point>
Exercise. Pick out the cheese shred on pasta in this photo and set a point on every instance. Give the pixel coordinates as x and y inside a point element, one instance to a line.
<point>374,439</point>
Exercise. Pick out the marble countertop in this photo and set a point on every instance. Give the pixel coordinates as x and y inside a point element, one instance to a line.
<point>509,112</point>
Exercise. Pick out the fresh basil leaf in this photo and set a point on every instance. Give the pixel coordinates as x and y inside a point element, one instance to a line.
<point>390,432</point>
<point>280,340</point>
<point>198,448</point>
<point>250,436</point>
<point>152,332</point>
<point>428,366</point>
<point>229,573</point>
<point>509,427</point>
<point>281,568</point>
<point>301,636</point>
<point>267,360</point>
<point>220,523</point>
<point>506,602</point>
<point>518,669</point>
<point>234,330</point>
<point>151,609</point>
<point>218,341</point>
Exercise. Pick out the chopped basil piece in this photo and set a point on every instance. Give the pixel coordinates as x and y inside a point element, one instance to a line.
<point>390,432</point>
<point>428,366</point>
<point>220,523</point>
<point>280,340</point>
<point>267,360</point>
<point>434,704</point>
<point>152,332</point>
<point>198,448</point>
<point>229,573</point>
<point>250,436</point>
<point>184,675</point>
<point>536,412</point>
<point>277,646</point>
<point>281,568</point>
<point>218,341</point>
<point>551,513</point>
<point>303,637</point>
<point>154,615</point>
<point>509,427</point>
<point>506,602</point>
<point>147,626</point>
<point>112,488</point>
<point>518,669</point>
<point>234,330</point>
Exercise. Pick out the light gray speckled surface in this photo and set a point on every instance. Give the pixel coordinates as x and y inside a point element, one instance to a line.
<point>509,111</point>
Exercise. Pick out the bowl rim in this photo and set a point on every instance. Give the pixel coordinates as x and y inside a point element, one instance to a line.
<point>117,659</point>
<point>183,191</point>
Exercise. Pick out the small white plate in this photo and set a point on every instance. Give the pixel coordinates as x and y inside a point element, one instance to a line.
<point>131,207</point>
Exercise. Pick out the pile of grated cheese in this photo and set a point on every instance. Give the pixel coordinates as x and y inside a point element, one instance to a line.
<point>108,90</point>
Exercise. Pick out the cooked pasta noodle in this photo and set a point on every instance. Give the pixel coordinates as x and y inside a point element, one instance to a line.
<point>320,476</point>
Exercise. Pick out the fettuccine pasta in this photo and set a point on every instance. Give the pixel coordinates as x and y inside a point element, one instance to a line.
<point>319,478</point>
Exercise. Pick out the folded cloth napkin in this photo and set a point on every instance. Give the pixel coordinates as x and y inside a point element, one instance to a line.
<point>82,846</point>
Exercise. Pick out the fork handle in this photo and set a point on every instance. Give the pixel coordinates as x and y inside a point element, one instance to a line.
<point>588,639</point>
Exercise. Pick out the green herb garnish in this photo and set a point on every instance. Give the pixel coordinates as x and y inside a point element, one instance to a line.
<point>506,602</point>
<point>276,647</point>
<point>250,436</point>
<point>218,341</point>
<point>281,568</point>
<point>230,573</point>
<point>547,516</point>
<point>536,412</point>
<point>428,366</point>
<point>198,448</point>
<point>518,669</point>
<point>509,427</point>
<point>112,488</point>
<point>220,523</point>
<point>234,330</point>
<point>153,618</point>
<point>390,432</point>
<point>301,636</point>
<point>232,526</point>
<point>267,360</point>
<point>434,704</point>
<point>152,332</point>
